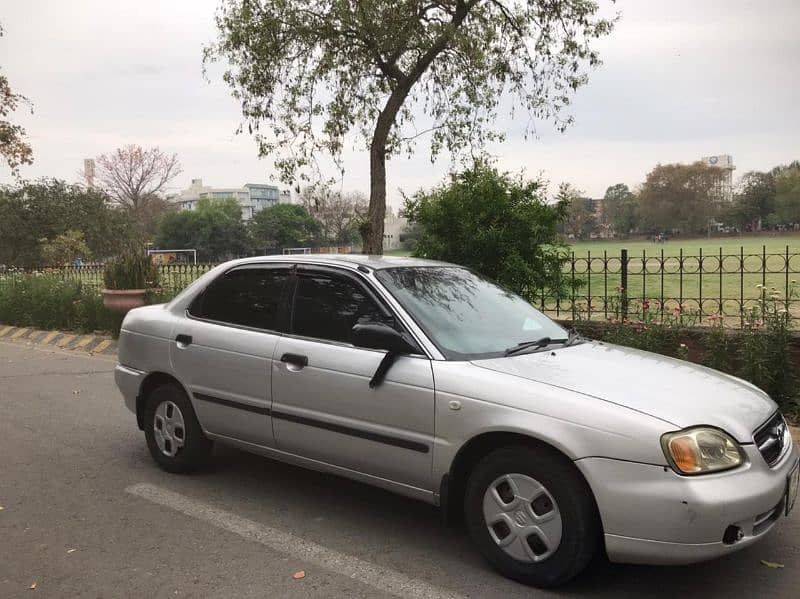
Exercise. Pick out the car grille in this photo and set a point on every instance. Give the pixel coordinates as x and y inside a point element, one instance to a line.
<point>771,439</point>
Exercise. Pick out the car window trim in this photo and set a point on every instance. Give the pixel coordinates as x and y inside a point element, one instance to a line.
<point>357,279</point>
<point>282,301</point>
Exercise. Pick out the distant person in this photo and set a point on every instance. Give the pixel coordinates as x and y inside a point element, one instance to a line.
<point>78,262</point>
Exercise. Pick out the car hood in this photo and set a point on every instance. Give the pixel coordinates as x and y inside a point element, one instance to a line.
<point>679,392</point>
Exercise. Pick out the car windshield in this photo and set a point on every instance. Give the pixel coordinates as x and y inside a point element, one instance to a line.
<point>465,315</point>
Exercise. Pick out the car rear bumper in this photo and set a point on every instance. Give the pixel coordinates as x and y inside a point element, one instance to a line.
<point>129,381</point>
<point>651,515</point>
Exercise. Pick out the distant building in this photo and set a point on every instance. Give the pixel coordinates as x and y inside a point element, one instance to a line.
<point>394,226</point>
<point>724,187</point>
<point>252,197</point>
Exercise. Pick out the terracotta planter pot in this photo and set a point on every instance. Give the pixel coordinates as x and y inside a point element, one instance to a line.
<point>123,300</point>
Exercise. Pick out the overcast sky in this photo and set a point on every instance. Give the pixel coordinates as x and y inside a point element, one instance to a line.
<point>680,79</point>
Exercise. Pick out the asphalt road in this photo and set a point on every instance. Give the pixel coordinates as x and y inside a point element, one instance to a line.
<point>86,513</point>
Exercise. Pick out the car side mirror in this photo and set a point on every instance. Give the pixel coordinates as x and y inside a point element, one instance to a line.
<point>381,336</point>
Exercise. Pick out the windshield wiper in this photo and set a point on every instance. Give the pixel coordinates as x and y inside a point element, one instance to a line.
<point>543,342</point>
<point>574,338</point>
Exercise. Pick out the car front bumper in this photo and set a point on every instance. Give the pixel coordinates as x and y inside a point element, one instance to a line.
<point>651,515</point>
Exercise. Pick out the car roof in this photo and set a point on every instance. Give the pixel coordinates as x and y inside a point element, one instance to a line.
<point>353,260</point>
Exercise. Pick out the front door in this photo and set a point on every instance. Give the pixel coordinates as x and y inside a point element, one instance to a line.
<point>323,407</point>
<point>222,351</point>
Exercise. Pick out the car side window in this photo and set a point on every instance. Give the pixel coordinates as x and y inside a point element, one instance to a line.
<point>246,297</point>
<point>327,307</point>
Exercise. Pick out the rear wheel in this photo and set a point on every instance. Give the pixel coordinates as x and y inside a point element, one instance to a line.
<point>173,434</point>
<point>532,515</point>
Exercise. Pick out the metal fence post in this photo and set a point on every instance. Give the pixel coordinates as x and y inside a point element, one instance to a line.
<point>623,259</point>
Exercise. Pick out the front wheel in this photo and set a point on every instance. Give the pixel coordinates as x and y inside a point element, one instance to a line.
<point>532,515</point>
<point>173,434</point>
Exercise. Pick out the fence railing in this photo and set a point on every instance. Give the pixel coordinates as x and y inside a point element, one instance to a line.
<point>691,288</point>
<point>698,288</point>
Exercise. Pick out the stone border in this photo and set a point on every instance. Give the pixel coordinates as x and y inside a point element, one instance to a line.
<point>88,343</point>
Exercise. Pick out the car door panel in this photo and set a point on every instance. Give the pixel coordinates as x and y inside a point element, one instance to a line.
<point>325,410</point>
<point>223,349</point>
<point>227,371</point>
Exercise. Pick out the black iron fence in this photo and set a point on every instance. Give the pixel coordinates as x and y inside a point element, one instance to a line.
<point>695,289</point>
<point>699,288</point>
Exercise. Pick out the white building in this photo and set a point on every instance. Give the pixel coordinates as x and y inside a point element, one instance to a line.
<point>724,162</point>
<point>252,197</point>
<point>394,226</point>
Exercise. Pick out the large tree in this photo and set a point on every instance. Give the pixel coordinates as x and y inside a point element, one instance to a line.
<point>579,218</point>
<point>754,199</point>
<point>214,229</point>
<point>680,197</point>
<point>316,75</point>
<point>787,194</point>
<point>283,226</point>
<point>34,214</point>
<point>14,147</point>
<point>496,223</point>
<point>620,209</point>
<point>339,214</point>
<point>137,178</point>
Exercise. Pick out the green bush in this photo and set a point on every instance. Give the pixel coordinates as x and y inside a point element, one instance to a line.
<point>133,270</point>
<point>50,302</point>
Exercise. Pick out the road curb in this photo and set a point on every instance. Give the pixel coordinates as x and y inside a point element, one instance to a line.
<point>90,343</point>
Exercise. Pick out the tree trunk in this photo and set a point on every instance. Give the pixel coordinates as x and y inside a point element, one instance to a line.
<point>373,240</point>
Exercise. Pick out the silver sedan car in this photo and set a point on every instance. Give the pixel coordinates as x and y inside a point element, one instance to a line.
<point>428,380</point>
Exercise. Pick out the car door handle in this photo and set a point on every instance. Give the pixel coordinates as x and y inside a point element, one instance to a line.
<point>183,340</point>
<point>295,360</point>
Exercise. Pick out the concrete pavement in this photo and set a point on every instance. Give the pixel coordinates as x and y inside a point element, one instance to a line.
<point>86,513</point>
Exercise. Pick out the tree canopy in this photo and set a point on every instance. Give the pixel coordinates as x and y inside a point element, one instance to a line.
<point>620,206</point>
<point>215,229</point>
<point>14,147</point>
<point>283,226</point>
<point>496,223</point>
<point>680,197</point>
<point>314,76</point>
<point>33,213</point>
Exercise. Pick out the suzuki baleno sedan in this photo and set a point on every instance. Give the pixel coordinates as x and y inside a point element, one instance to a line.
<point>428,380</point>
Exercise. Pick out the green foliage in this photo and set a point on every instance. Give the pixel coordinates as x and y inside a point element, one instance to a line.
<point>787,195</point>
<point>15,150</point>
<point>755,199</point>
<point>48,208</point>
<point>494,223</point>
<point>283,226</point>
<point>132,270</point>
<point>50,302</point>
<point>620,209</point>
<point>63,249</point>
<point>579,221</point>
<point>214,229</point>
<point>679,197</point>
<point>310,74</point>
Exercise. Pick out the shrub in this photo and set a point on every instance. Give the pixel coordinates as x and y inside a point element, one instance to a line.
<point>50,302</point>
<point>498,224</point>
<point>132,270</point>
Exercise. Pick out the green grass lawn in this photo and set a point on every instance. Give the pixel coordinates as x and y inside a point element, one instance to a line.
<point>692,247</point>
<point>700,280</point>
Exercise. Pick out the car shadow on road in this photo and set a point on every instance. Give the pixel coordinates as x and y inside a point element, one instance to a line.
<point>409,536</point>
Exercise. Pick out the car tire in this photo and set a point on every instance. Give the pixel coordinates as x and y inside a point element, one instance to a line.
<point>523,542</point>
<point>173,434</point>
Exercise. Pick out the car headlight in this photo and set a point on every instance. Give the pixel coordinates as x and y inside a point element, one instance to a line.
<point>701,450</point>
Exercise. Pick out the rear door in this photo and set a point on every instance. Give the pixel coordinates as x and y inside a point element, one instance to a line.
<point>323,406</point>
<point>222,351</point>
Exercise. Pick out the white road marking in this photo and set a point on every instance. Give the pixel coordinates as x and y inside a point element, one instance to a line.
<point>383,579</point>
